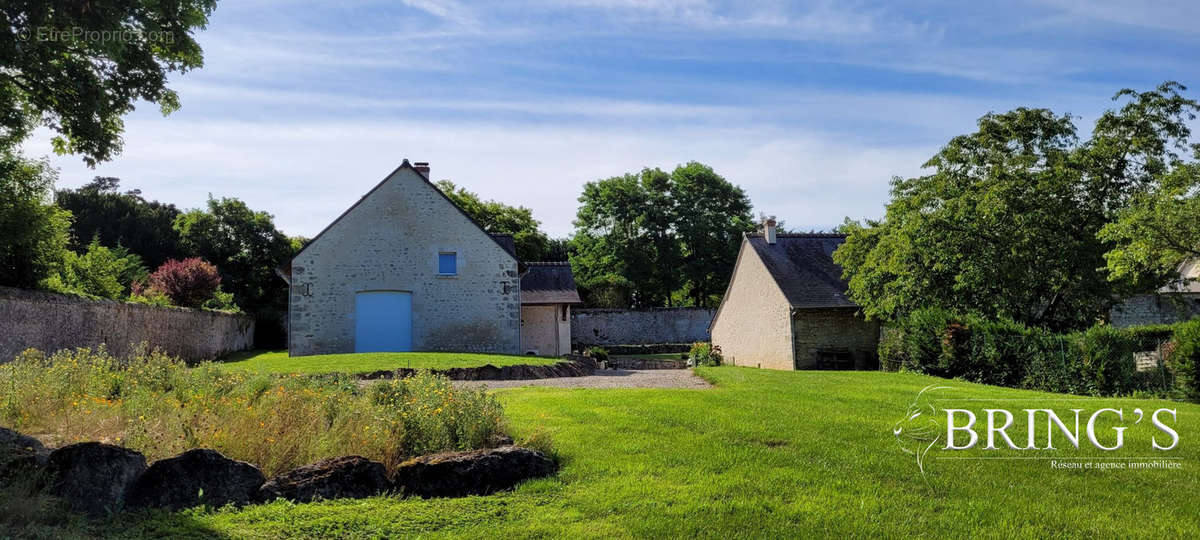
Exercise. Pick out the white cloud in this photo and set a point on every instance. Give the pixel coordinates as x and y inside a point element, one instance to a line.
<point>1178,15</point>
<point>308,174</point>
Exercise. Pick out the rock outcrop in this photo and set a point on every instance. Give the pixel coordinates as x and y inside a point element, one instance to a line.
<point>196,477</point>
<point>477,472</point>
<point>94,478</point>
<point>348,477</point>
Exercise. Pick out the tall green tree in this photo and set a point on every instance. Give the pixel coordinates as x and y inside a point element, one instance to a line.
<point>115,219</point>
<point>33,232</point>
<point>246,248</point>
<point>1159,231</point>
<point>660,236</point>
<point>622,233</point>
<point>496,217</point>
<point>1007,223</point>
<point>77,67</point>
<point>710,217</point>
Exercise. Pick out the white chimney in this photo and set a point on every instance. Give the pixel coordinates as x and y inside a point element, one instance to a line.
<point>769,229</point>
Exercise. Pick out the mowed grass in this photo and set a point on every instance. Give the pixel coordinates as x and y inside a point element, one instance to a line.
<point>280,362</point>
<point>763,454</point>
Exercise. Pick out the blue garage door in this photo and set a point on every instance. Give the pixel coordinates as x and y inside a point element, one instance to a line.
<point>383,321</point>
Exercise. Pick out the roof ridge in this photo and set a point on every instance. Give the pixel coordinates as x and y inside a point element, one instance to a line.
<point>800,235</point>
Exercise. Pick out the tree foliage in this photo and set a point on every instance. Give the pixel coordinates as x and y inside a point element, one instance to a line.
<point>644,239</point>
<point>1159,231</point>
<point>496,217</point>
<point>1007,223</point>
<point>711,215</point>
<point>122,219</point>
<point>33,232</point>
<point>244,245</point>
<point>78,67</point>
<point>98,272</point>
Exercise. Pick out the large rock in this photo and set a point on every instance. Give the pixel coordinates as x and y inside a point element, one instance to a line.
<point>478,472</point>
<point>349,477</point>
<point>94,478</point>
<point>196,477</point>
<point>20,455</point>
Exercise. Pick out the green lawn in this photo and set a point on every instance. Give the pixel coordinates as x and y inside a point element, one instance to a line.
<point>763,454</point>
<point>280,362</point>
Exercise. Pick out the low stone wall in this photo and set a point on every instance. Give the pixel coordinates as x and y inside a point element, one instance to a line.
<point>50,322</point>
<point>608,327</point>
<point>644,363</point>
<point>1156,309</point>
<point>573,366</point>
<point>98,480</point>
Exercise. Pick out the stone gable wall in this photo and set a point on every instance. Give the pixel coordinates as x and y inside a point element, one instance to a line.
<point>390,242</point>
<point>753,328</point>
<point>50,322</point>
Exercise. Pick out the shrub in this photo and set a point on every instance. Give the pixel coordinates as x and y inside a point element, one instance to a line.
<point>1184,359</point>
<point>98,273</point>
<point>189,283</point>
<point>704,353</point>
<point>597,353</point>
<point>1106,361</point>
<point>1098,361</point>
<point>156,405</point>
<point>891,349</point>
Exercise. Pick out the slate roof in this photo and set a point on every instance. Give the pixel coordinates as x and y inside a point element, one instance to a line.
<point>803,267</point>
<point>506,241</point>
<point>549,283</point>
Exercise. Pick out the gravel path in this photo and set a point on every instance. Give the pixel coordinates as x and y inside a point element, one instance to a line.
<point>608,378</point>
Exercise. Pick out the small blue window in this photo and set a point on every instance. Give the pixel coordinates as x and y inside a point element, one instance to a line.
<point>447,264</point>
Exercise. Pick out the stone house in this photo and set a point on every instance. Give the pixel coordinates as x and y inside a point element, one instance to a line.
<point>547,294</point>
<point>1176,301</point>
<point>405,269</point>
<point>786,307</point>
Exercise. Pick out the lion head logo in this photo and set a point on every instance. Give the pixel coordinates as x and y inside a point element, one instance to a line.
<point>920,428</point>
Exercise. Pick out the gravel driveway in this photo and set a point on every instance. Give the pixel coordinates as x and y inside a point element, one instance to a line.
<point>608,378</point>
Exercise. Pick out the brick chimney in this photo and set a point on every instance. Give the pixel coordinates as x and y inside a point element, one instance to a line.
<point>769,229</point>
<point>422,167</point>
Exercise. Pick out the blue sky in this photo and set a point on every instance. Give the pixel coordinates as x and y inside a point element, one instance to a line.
<point>810,106</point>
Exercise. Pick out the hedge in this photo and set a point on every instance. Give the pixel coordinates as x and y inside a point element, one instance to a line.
<point>1095,362</point>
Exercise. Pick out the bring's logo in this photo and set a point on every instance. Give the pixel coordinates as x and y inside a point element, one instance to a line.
<point>1088,429</point>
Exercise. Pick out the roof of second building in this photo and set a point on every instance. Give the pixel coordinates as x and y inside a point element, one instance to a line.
<point>803,267</point>
<point>506,241</point>
<point>549,283</point>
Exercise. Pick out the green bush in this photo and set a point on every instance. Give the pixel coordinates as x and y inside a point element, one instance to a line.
<point>1097,362</point>
<point>891,349</point>
<point>1184,359</point>
<point>704,353</point>
<point>597,353</point>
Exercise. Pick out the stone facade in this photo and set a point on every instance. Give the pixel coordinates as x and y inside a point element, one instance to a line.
<point>50,322</point>
<point>834,338</point>
<point>1156,309</point>
<point>546,329</point>
<point>609,327</point>
<point>785,309</point>
<point>390,241</point>
<point>753,327</point>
